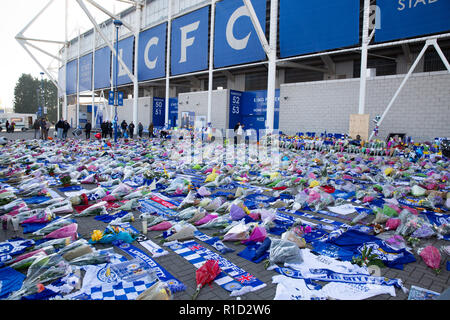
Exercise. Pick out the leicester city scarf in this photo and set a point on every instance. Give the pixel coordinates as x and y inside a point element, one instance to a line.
<point>149,206</point>
<point>174,284</point>
<point>331,276</point>
<point>232,277</point>
<point>438,219</point>
<point>355,241</point>
<point>212,241</point>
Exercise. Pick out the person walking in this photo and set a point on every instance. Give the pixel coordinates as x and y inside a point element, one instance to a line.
<point>36,127</point>
<point>140,129</point>
<point>131,130</point>
<point>65,129</point>
<point>87,129</point>
<point>150,130</point>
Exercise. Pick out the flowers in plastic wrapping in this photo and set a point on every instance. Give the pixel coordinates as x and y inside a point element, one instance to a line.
<point>206,275</point>
<point>64,232</point>
<point>94,210</point>
<point>42,217</point>
<point>431,256</point>
<point>44,269</point>
<point>96,257</point>
<point>238,232</point>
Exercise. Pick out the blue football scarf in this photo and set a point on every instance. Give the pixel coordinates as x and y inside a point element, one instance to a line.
<point>107,218</point>
<point>70,188</point>
<point>215,242</point>
<point>231,278</point>
<point>36,200</point>
<point>10,281</point>
<point>174,284</point>
<point>331,276</point>
<point>330,250</point>
<point>438,219</point>
<point>149,206</point>
<point>11,248</point>
<point>123,290</point>
<point>332,223</point>
<point>256,252</point>
<point>355,241</point>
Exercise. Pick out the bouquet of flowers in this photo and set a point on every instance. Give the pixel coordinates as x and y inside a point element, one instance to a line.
<point>61,207</point>
<point>52,226</point>
<point>94,210</point>
<point>6,197</point>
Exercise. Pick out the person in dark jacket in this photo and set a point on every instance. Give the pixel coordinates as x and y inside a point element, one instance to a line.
<point>110,129</point>
<point>36,126</point>
<point>124,127</point>
<point>43,128</point>
<point>87,129</point>
<point>65,129</point>
<point>59,128</point>
<point>150,130</point>
<point>131,130</point>
<point>140,129</point>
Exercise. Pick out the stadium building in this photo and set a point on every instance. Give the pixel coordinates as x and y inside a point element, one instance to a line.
<point>295,66</point>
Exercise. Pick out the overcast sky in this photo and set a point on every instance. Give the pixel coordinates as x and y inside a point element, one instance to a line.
<point>16,14</point>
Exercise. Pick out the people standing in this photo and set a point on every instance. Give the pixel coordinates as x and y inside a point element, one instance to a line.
<point>124,127</point>
<point>140,129</point>
<point>104,127</point>
<point>36,127</point>
<point>110,129</point>
<point>60,128</point>
<point>150,130</point>
<point>65,129</point>
<point>47,128</point>
<point>11,127</point>
<point>7,126</point>
<point>131,130</point>
<point>43,127</point>
<point>87,129</point>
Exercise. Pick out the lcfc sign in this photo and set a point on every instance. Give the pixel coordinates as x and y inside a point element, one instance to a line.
<point>152,53</point>
<point>189,45</point>
<point>235,38</point>
<point>410,18</point>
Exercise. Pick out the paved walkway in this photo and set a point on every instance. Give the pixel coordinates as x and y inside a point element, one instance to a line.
<point>417,273</point>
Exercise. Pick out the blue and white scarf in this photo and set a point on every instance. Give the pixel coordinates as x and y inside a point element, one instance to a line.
<point>174,284</point>
<point>149,206</point>
<point>212,241</point>
<point>331,276</point>
<point>232,278</point>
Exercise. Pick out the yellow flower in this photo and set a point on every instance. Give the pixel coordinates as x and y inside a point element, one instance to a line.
<point>96,235</point>
<point>314,183</point>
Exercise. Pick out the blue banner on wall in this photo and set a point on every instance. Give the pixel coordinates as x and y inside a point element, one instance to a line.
<point>410,18</point>
<point>250,107</point>
<point>86,73</point>
<point>102,68</point>
<point>159,112</point>
<point>152,53</point>
<point>235,38</point>
<point>189,45</point>
<point>71,77</point>
<point>235,108</point>
<point>319,25</point>
<point>126,47</point>
<point>173,111</point>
